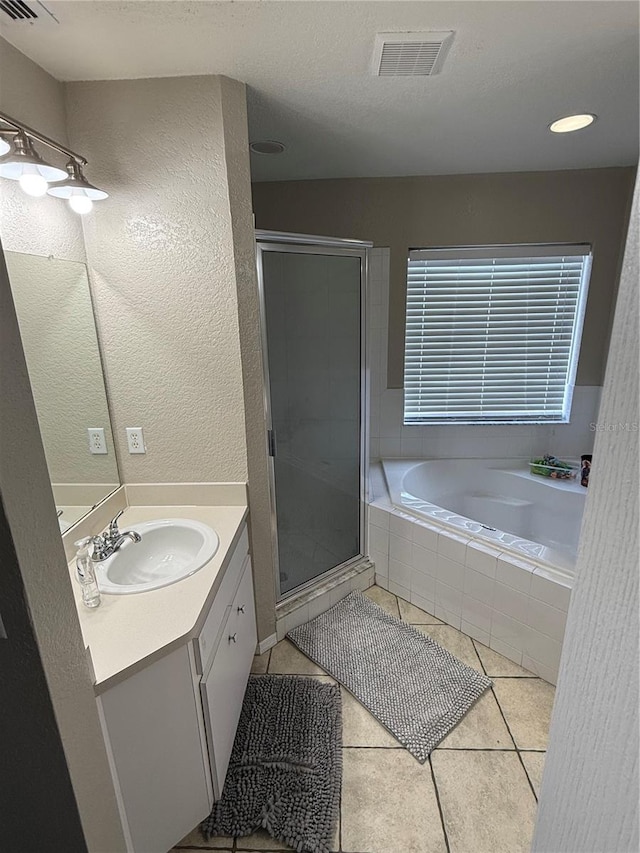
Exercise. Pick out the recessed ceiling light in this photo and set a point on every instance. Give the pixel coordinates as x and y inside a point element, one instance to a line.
<point>570,123</point>
<point>267,147</point>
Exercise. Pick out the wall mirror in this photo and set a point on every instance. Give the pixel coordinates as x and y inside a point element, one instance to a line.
<point>59,337</point>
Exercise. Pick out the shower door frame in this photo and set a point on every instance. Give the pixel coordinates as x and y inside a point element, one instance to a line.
<point>279,241</point>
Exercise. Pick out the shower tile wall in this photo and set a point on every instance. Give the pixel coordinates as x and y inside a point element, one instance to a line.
<point>389,438</point>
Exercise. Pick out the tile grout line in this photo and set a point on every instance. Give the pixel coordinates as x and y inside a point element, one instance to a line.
<point>441,813</point>
<point>519,677</point>
<point>445,748</point>
<point>340,807</point>
<point>395,598</point>
<point>515,745</point>
<point>484,669</point>
<point>526,773</point>
<point>475,648</point>
<point>517,749</point>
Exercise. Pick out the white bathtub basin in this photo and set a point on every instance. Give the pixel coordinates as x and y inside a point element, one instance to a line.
<point>500,501</point>
<point>171,549</point>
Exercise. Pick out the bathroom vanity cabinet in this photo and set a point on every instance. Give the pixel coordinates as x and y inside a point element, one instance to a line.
<point>170,727</point>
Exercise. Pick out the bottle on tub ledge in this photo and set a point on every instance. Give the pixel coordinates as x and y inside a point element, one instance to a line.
<point>585,468</point>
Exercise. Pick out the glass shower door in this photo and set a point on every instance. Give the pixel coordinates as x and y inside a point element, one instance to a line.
<point>312,304</point>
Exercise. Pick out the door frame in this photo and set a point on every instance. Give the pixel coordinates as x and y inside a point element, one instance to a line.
<point>276,241</point>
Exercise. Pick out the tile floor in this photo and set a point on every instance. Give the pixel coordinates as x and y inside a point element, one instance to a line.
<point>478,791</point>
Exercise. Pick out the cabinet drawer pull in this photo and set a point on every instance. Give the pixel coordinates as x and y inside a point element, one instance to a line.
<point>232,638</point>
<point>241,608</point>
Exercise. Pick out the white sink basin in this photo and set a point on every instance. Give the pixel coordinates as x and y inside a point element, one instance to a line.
<point>171,549</point>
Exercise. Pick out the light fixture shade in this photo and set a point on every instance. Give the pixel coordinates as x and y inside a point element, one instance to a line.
<point>22,153</point>
<point>4,146</point>
<point>76,184</point>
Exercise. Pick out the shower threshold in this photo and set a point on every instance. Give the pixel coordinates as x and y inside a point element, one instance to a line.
<point>323,593</point>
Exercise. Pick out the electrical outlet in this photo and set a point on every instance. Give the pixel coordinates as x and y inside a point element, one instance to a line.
<point>135,440</point>
<point>97,441</point>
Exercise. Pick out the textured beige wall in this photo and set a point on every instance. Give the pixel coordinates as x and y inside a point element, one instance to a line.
<point>58,333</point>
<point>161,262</point>
<point>172,264</point>
<point>239,182</point>
<point>590,788</point>
<point>456,210</point>
<point>39,226</point>
<point>47,227</point>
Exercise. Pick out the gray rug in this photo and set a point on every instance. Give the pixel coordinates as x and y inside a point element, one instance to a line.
<point>415,688</point>
<point>285,773</point>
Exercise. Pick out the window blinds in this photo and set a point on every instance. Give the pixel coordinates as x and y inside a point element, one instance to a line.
<point>493,333</point>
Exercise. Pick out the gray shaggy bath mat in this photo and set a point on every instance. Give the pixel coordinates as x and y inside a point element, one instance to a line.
<point>415,688</point>
<point>285,772</point>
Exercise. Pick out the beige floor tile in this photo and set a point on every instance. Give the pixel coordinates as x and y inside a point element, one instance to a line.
<point>195,841</point>
<point>260,840</point>
<point>487,804</point>
<point>217,849</point>
<point>360,728</point>
<point>325,679</point>
<point>389,804</point>
<point>454,641</point>
<point>260,663</point>
<point>287,659</point>
<point>526,704</point>
<point>534,762</point>
<point>411,613</point>
<point>384,599</point>
<point>498,665</point>
<point>482,727</point>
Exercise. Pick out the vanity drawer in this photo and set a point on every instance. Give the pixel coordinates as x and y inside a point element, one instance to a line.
<point>205,644</point>
<point>225,682</point>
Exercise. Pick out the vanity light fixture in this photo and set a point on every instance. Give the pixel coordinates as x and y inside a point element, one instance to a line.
<point>77,189</point>
<point>568,124</point>
<point>25,165</point>
<point>19,161</point>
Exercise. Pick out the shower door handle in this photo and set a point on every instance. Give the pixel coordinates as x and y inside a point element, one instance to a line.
<point>271,442</point>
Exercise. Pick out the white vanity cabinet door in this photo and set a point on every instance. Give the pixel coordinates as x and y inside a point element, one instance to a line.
<point>151,725</point>
<point>224,684</point>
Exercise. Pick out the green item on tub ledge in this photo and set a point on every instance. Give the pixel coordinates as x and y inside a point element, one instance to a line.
<point>551,466</point>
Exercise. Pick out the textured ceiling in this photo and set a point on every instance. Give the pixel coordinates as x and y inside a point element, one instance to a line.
<point>513,67</point>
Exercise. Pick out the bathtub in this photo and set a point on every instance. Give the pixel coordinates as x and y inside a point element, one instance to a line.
<point>498,501</point>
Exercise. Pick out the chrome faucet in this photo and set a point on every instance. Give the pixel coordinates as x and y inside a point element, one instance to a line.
<point>107,543</point>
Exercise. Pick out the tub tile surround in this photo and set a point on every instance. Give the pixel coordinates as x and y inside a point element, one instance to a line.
<point>515,607</point>
<point>389,438</point>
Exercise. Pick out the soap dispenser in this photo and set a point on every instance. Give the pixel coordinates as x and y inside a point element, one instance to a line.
<point>86,573</point>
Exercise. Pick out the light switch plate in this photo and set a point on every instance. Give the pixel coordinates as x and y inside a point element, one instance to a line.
<point>135,440</point>
<point>97,440</point>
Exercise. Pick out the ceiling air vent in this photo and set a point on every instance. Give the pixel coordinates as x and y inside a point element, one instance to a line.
<point>410,54</point>
<point>21,12</point>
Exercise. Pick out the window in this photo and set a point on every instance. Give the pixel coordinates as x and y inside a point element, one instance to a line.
<point>493,333</point>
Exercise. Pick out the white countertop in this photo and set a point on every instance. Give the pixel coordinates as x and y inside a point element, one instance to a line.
<point>127,632</point>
